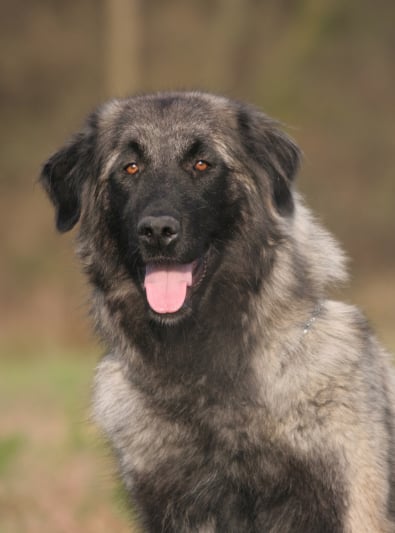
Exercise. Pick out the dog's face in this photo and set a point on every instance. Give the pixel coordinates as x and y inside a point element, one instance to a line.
<point>166,183</point>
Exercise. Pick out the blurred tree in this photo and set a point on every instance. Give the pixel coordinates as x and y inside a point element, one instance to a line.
<point>123,27</point>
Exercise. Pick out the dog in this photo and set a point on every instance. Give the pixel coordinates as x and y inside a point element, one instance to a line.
<point>236,396</point>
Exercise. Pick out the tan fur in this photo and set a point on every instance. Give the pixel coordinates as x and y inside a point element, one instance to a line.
<point>270,407</point>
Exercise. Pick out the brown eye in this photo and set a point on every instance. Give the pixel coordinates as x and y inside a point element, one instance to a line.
<point>201,165</point>
<point>131,168</point>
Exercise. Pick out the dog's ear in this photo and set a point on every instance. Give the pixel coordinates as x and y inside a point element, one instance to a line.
<point>274,151</point>
<point>64,175</point>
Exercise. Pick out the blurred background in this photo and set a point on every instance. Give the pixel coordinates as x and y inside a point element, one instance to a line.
<point>326,68</point>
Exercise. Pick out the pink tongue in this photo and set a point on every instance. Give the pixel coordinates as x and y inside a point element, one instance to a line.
<point>166,286</point>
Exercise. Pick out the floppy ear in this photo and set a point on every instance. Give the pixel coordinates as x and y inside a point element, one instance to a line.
<point>274,151</point>
<point>63,177</point>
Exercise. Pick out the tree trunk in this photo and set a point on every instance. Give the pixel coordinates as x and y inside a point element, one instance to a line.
<point>122,22</point>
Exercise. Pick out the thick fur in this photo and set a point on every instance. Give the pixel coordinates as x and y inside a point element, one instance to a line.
<point>260,406</point>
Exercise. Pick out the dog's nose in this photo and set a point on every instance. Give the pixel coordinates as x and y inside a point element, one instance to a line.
<point>158,230</point>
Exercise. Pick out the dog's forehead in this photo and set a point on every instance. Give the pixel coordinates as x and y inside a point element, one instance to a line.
<point>167,122</point>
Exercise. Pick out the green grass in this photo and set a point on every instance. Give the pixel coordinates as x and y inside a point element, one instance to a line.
<point>56,473</point>
<point>10,447</point>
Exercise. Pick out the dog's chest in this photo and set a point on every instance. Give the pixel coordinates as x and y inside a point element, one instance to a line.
<point>207,461</point>
<point>147,436</point>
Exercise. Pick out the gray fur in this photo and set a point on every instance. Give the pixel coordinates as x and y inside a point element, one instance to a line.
<point>268,407</point>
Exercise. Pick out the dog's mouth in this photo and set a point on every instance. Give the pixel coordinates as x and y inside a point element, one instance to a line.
<point>168,286</point>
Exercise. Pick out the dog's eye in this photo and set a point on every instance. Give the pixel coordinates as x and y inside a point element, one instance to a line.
<point>131,168</point>
<point>201,165</point>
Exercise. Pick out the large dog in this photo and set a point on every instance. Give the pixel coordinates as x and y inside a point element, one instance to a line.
<point>236,397</point>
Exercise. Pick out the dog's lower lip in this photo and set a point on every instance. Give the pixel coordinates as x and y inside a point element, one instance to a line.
<point>199,271</point>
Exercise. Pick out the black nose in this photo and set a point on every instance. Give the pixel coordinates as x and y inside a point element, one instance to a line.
<point>158,230</point>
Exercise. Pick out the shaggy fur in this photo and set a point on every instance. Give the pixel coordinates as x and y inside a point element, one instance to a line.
<point>258,405</point>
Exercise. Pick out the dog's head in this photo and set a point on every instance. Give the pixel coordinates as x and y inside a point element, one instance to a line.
<point>167,184</point>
